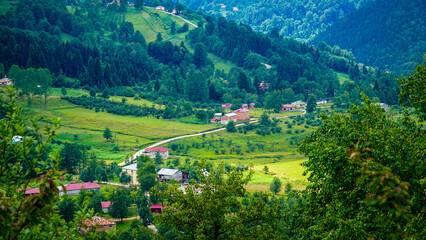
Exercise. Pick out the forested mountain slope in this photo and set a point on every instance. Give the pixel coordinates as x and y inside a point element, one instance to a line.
<point>103,51</point>
<point>390,34</point>
<point>293,18</point>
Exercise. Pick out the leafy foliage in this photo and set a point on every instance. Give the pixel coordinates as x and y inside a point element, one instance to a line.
<point>19,213</point>
<point>413,89</point>
<point>366,171</point>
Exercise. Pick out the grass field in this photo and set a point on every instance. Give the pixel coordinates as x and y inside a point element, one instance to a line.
<point>276,151</point>
<point>343,77</point>
<point>257,112</point>
<point>86,126</point>
<point>149,24</point>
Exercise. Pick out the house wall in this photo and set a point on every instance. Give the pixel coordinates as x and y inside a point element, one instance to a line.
<point>163,155</point>
<point>243,116</point>
<point>133,174</point>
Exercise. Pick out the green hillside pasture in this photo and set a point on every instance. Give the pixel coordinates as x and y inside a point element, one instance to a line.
<point>131,100</point>
<point>89,125</point>
<point>149,24</point>
<point>257,112</point>
<point>70,92</point>
<point>343,77</point>
<point>277,151</point>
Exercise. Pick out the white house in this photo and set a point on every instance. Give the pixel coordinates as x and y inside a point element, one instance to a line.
<point>166,174</point>
<point>321,101</point>
<point>152,152</point>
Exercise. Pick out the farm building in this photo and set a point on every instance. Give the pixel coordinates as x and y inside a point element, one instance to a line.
<point>167,174</point>
<point>159,8</point>
<point>151,152</point>
<point>243,114</point>
<point>156,208</point>
<point>226,106</point>
<point>75,188</point>
<point>288,108</point>
<point>215,120</point>
<point>105,206</point>
<point>225,119</point>
<point>72,189</point>
<point>321,101</point>
<point>101,224</point>
<point>132,170</point>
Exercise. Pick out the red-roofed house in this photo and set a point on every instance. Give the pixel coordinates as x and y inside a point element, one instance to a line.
<point>226,106</point>
<point>32,191</point>
<point>98,223</point>
<point>75,188</point>
<point>156,208</point>
<point>242,114</point>
<point>105,206</point>
<point>215,120</point>
<point>151,152</point>
<point>6,81</point>
<point>159,8</point>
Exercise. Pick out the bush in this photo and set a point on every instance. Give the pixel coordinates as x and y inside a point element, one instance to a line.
<point>289,131</point>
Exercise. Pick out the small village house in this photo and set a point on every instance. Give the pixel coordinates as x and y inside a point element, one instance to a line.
<point>105,206</point>
<point>225,119</point>
<point>72,189</point>
<point>97,223</point>
<point>243,114</point>
<point>132,170</point>
<point>159,8</point>
<point>251,106</point>
<point>329,100</point>
<point>167,174</point>
<point>383,106</point>
<point>321,101</point>
<point>245,105</point>
<point>152,152</point>
<point>226,106</point>
<point>299,104</point>
<point>288,108</point>
<point>156,208</point>
<point>215,120</point>
<point>6,81</point>
<point>75,188</point>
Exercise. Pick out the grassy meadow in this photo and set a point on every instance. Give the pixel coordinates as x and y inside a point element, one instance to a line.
<point>86,126</point>
<point>276,151</point>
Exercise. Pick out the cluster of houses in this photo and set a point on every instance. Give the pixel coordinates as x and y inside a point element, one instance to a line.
<point>241,114</point>
<point>299,105</point>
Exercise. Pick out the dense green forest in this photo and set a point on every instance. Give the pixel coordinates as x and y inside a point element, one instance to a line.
<point>295,19</point>
<point>387,34</point>
<point>103,51</point>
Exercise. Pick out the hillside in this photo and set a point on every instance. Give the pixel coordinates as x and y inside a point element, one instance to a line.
<point>301,20</point>
<point>388,34</point>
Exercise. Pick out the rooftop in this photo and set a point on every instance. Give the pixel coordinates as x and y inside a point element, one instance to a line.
<point>241,110</point>
<point>106,204</point>
<point>133,166</point>
<point>96,220</point>
<point>77,186</point>
<point>167,171</point>
<point>157,149</point>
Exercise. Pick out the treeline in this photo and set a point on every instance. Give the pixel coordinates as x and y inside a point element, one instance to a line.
<point>394,41</point>
<point>119,108</point>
